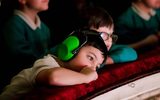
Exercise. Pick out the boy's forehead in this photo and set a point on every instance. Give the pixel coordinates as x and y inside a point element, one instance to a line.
<point>108,30</point>
<point>105,29</point>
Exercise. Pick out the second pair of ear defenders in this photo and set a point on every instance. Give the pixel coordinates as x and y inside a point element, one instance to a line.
<point>71,45</point>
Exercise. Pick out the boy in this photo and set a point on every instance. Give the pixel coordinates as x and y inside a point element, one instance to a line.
<point>26,37</point>
<point>76,64</point>
<point>139,25</point>
<point>100,21</point>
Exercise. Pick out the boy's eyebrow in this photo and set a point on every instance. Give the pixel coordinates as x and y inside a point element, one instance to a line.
<point>93,55</point>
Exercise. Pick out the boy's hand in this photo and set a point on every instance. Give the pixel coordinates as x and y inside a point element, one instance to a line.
<point>90,73</point>
<point>109,60</point>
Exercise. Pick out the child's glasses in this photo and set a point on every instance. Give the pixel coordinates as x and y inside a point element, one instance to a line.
<point>105,36</point>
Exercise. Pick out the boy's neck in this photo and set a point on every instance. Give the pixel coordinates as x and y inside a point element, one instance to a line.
<point>31,14</point>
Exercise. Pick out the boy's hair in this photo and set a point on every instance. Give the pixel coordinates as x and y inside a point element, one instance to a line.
<point>70,47</point>
<point>96,41</point>
<point>99,17</point>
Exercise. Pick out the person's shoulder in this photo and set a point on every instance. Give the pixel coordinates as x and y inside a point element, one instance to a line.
<point>47,60</point>
<point>126,18</point>
<point>127,14</point>
<point>14,24</point>
<point>15,21</point>
<point>49,56</point>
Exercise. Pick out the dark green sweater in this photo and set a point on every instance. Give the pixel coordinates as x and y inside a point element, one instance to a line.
<point>131,28</point>
<point>23,44</point>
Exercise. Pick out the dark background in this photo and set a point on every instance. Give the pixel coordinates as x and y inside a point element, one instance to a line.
<point>62,15</point>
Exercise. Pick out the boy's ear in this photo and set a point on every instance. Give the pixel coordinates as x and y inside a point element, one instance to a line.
<point>66,48</point>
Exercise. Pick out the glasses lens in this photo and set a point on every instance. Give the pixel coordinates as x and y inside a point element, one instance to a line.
<point>105,36</point>
<point>114,38</point>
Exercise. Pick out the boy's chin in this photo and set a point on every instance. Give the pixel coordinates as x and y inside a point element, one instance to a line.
<point>45,8</point>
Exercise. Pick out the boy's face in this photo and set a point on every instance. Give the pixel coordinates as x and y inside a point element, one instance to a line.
<point>108,32</point>
<point>88,56</point>
<point>152,3</point>
<point>39,5</point>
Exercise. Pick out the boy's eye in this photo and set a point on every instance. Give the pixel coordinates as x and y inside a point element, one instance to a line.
<point>90,58</point>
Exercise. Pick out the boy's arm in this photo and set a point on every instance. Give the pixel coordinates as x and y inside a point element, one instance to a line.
<point>62,77</point>
<point>150,40</point>
<point>120,54</point>
<point>109,61</point>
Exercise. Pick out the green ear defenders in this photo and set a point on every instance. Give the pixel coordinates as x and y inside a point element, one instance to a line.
<point>65,49</point>
<point>71,45</point>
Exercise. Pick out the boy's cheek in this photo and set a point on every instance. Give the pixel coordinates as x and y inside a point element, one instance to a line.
<point>108,44</point>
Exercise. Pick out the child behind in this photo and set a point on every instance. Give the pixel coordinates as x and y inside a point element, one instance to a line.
<point>139,25</point>
<point>98,19</point>
<point>26,37</point>
<point>75,64</point>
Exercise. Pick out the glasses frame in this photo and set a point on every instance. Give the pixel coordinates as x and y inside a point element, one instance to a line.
<point>106,36</point>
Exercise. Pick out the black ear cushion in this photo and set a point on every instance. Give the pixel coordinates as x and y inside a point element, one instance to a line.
<point>65,50</point>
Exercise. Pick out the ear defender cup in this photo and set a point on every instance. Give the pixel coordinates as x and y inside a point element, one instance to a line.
<point>65,50</point>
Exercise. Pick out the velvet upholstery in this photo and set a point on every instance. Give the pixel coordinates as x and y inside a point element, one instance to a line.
<point>109,77</point>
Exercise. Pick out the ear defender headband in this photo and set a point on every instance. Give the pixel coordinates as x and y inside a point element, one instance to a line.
<point>76,40</point>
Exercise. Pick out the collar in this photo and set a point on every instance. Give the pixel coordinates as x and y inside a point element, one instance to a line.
<point>28,20</point>
<point>141,13</point>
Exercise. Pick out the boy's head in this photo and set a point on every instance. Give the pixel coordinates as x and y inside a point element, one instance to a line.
<point>37,5</point>
<point>82,47</point>
<point>101,21</point>
<point>99,17</point>
<point>151,4</point>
